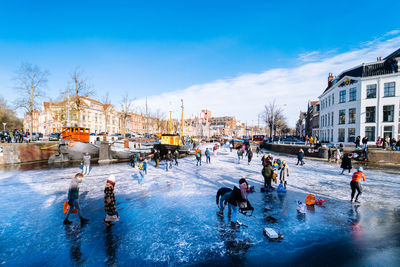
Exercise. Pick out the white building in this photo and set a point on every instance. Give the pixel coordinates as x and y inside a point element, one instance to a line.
<point>362,101</point>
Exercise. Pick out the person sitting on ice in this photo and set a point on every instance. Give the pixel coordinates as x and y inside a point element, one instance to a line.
<point>223,194</point>
<point>238,199</point>
<point>109,202</point>
<point>355,183</point>
<point>73,198</point>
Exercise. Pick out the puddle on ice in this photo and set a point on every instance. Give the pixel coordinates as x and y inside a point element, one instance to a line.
<point>170,218</point>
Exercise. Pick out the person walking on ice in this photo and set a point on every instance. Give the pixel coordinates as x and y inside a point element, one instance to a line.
<point>300,157</point>
<point>176,157</point>
<point>284,173</point>
<point>73,198</point>
<point>109,202</point>
<point>249,156</point>
<point>355,184</point>
<point>208,156</point>
<point>86,164</point>
<point>198,157</point>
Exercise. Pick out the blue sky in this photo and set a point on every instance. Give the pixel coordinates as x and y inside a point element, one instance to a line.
<point>149,48</point>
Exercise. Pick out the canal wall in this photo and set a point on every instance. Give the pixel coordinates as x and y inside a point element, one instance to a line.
<point>375,156</point>
<point>13,153</point>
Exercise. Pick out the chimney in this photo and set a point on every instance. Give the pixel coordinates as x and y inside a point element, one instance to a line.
<point>330,79</point>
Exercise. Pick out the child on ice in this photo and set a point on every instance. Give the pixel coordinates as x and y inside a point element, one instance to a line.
<point>109,203</point>
<point>73,198</point>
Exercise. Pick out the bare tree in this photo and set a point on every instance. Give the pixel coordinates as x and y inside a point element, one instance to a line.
<point>158,118</point>
<point>7,115</point>
<point>274,118</point>
<point>77,87</point>
<point>126,109</point>
<point>106,109</point>
<point>30,81</point>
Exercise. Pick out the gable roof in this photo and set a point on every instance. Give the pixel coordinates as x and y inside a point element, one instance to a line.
<point>387,66</point>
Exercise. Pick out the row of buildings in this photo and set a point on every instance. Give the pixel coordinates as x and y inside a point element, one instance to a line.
<point>99,117</point>
<point>361,101</point>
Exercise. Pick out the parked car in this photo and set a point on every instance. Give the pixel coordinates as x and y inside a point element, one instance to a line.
<point>35,136</point>
<point>54,137</point>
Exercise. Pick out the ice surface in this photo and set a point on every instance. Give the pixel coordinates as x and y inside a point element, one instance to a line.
<point>170,218</point>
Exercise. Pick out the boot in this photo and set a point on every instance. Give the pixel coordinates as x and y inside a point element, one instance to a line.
<point>66,221</point>
<point>83,220</point>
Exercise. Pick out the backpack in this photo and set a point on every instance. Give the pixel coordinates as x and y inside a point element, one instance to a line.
<point>281,188</point>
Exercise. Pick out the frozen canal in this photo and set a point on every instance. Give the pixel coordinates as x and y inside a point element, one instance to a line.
<point>170,219</point>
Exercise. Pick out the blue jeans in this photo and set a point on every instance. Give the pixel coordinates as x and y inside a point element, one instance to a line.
<point>234,210</point>
<point>222,200</point>
<point>75,204</point>
<point>141,173</point>
<point>239,158</point>
<point>85,170</point>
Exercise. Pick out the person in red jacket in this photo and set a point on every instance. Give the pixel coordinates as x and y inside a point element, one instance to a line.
<point>355,183</point>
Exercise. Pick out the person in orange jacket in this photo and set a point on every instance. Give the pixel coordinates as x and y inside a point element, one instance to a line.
<point>355,183</point>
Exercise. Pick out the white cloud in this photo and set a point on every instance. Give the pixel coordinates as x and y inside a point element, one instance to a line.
<point>245,95</point>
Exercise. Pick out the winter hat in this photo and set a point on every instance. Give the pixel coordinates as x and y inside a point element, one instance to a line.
<point>360,169</point>
<point>111,178</point>
<point>242,180</point>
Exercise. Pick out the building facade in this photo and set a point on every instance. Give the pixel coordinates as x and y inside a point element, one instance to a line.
<point>362,101</point>
<point>92,114</point>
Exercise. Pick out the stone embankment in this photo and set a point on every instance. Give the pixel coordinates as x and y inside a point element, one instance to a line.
<point>14,153</point>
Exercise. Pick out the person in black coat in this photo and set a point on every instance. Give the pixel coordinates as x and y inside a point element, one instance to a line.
<point>300,157</point>
<point>238,198</point>
<point>249,156</point>
<point>358,141</point>
<point>346,163</point>
<point>223,194</point>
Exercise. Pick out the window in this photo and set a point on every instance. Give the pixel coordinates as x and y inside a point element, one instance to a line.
<point>83,117</point>
<point>352,115</point>
<point>329,100</point>
<point>371,91</point>
<point>332,135</point>
<point>387,131</point>
<point>329,119</point>
<point>332,121</point>
<point>389,89</point>
<point>333,99</point>
<point>370,114</point>
<point>342,96</point>
<point>341,134</point>
<point>351,135</point>
<point>370,132</point>
<point>388,113</point>
<point>352,94</point>
<point>342,116</point>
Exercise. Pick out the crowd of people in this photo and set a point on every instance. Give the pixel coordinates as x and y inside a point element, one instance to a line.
<point>235,198</point>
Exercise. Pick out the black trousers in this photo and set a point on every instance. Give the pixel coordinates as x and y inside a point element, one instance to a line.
<point>267,182</point>
<point>355,186</point>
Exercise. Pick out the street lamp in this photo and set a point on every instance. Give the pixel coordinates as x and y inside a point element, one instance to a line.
<point>4,125</point>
